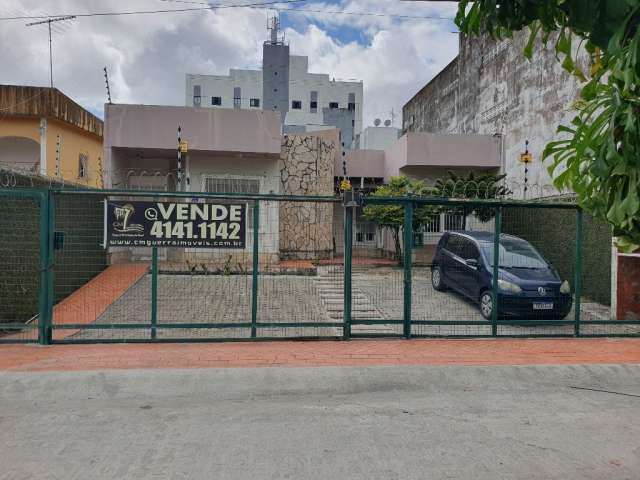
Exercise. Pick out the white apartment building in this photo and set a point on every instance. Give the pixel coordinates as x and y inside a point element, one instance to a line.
<point>306,101</point>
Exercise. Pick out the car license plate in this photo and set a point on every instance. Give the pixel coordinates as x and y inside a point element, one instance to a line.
<point>543,306</point>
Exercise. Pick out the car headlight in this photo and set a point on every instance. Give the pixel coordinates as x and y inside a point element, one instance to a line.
<point>565,288</point>
<point>509,287</point>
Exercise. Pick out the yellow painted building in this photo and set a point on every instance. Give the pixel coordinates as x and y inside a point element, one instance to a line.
<point>42,131</point>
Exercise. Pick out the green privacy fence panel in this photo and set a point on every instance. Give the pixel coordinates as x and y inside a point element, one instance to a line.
<point>596,250</point>
<point>306,271</point>
<point>24,266</point>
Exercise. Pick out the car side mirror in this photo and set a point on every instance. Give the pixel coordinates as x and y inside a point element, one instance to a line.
<point>472,262</point>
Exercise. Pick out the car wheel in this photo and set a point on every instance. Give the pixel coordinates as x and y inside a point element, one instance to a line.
<point>436,279</point>
<point>486,305</point>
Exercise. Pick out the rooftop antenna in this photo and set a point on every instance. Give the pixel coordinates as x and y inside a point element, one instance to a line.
<point>49,21</point>
<point>273,25</point>
<point>106,79</point>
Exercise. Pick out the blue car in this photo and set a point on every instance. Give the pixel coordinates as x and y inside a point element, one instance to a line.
<point>528,285</point>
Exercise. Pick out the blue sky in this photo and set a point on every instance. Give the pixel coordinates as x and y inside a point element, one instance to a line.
<point>149,55</point>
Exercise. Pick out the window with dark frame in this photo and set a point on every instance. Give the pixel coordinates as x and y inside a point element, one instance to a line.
<point>254,102</point>
<point>333,105</point>
<point>237,97</point>
<point>83,161</point>
<point>216,101</point>
<point>197,99</point>
<point>296,105</point>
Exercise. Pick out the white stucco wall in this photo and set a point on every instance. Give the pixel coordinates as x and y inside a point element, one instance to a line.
<point>249,81</point>
<point>301,84</point>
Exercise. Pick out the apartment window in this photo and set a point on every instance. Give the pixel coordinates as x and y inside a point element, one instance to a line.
<point>237,97</point>
<point>351,105</point>
<point>197,95</point>
<point>296,104</point>
<point>254,102</point>
<point>333,105</point>
<point>83,163</point>
<point>313,102</point>
<point>216,101</point>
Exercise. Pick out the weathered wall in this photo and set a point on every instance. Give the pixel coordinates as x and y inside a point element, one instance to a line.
<point>72,143</point>
<point>306,168</point>
<point>492,89</point>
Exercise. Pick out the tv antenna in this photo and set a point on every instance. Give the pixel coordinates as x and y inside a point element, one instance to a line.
<point>49,21</point>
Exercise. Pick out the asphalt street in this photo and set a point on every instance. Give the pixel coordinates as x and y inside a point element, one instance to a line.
<point>532,422</point>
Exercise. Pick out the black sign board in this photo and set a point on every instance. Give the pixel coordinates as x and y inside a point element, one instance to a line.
<point>175,224</point>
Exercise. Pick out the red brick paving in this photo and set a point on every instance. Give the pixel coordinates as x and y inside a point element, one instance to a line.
<point>87,303</point>
<point>314,354</point>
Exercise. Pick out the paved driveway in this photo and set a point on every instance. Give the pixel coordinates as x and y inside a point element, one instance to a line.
<point>378,294</point>
<point>382,423</point>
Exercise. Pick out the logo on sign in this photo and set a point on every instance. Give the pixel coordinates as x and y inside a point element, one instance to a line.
<point>123,216</point>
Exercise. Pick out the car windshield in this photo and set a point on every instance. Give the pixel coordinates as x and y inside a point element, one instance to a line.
<point>514,253</point>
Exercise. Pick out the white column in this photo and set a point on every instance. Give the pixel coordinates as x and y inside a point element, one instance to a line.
<point>43,146</point>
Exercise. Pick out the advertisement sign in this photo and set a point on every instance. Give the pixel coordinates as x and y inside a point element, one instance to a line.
<point>175,224</point>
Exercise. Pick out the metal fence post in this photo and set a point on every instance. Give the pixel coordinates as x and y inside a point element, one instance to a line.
<point>408,254</point>
<point>348,231</point>
<point>496,270</point>
<point>43,293</point>
<point>255,268</point>
<point>578,271</point>
<point>154,292</point>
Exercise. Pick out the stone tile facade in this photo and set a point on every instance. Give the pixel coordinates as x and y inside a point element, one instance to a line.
<point>306,168</point>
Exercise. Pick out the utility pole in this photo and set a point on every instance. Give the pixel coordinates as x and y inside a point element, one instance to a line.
<point>49,21</point>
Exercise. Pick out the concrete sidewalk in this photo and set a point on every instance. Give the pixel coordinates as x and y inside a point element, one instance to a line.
<point>576,422</point>
<point>314,353</point>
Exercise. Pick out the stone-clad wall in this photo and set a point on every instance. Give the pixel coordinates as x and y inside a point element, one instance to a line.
<point>306,168</point>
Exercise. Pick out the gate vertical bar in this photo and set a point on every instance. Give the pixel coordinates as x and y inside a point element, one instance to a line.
<point>578,270</point>
<point>43,293</point>
<point>348,231</point>
<point>408,253</point>
<point>496,270</point>
<point>255,268</point>
<point>50,265</point>
<point>154,292</point>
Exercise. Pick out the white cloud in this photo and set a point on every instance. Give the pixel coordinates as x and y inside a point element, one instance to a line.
<point>149,55</point>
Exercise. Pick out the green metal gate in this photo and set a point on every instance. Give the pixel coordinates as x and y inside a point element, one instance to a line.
<point>302,274</point>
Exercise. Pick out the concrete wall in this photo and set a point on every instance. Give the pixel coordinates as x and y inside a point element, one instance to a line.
<point>275,78</point>
<point>362,163</point>
<point>225,130</point>
<point>491,88</point>
<point>378,138</point>
<point>343,119</point>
